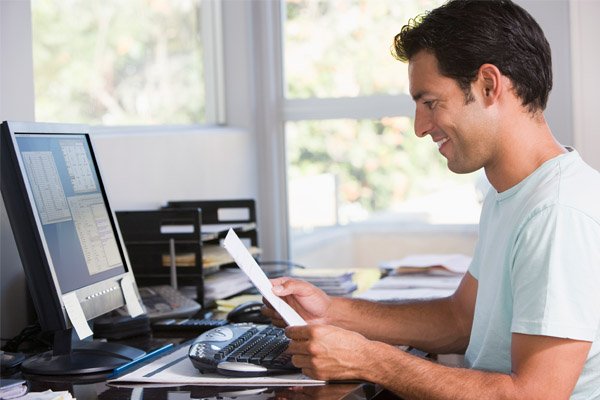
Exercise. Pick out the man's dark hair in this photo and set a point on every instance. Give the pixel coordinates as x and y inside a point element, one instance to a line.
<point>465,34</point>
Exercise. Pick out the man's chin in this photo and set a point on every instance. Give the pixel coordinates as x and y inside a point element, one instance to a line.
<point>461,168</point>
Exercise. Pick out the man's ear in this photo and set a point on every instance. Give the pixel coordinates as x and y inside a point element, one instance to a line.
<point>489,83</point>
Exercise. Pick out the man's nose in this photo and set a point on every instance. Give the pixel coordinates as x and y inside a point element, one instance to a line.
<point>423,123</point>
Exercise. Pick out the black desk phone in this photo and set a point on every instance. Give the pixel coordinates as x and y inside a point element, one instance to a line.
<point>160,302</point>
<point>164,301</point>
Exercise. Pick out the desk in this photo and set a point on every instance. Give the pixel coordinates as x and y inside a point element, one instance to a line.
<point>95,387</point>
<point>101,390</point>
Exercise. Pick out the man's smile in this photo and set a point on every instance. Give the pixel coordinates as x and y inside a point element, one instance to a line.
<point>441,142</point>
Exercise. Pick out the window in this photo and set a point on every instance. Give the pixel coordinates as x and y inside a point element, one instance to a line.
<point>138,62</point>
<point>351,150</point>
<point>341,48</point>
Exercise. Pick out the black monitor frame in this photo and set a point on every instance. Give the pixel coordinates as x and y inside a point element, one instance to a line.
<point>95,299</point>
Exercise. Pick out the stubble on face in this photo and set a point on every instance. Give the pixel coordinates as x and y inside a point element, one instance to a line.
<point>455,123</point>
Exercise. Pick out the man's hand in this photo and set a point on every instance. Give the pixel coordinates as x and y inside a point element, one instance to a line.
<point>327,352</point>
<point>307,300</point>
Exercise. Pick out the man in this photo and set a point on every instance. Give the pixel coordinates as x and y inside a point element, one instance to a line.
<point>528,311</point>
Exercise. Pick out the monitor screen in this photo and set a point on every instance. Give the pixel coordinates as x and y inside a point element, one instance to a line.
<point>69,243</point>
<point>71,208</point>
<point>66,233</point>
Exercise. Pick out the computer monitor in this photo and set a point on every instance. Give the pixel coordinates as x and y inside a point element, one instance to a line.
<point>68,240</point>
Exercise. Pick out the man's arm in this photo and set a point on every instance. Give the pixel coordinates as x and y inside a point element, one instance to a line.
<point>439,325</point>
<point>543,367</point>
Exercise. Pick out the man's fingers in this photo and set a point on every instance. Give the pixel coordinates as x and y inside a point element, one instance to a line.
<point>297,347</point>
<point>286,286</point>
<point>301,361</point>
<point>268,310</point>
<point>297,332</point>
<point>278,322</point>
<point>280,281</point>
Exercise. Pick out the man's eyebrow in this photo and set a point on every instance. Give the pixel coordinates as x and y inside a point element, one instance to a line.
<point>417,96</point>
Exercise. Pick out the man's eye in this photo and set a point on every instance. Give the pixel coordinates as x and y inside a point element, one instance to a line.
<point>430,104</point>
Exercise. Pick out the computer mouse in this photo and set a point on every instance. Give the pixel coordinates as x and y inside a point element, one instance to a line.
<point>248,312</point>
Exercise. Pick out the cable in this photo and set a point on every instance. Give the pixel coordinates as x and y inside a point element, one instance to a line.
<point>31,333</point>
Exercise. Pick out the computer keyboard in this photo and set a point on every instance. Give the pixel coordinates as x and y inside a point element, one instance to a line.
<point>242,350</point>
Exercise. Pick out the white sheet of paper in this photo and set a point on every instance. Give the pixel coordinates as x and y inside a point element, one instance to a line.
<point>176,369</point>
<point>75,313</point>
<point>247,263</point>
<point>131,300</point>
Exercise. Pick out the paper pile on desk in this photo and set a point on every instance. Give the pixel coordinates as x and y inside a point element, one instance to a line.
<point>334,282</point>
<point>12,388</point>
<point>429,263</point>
<point>177,369</point>
<point>225,283</point>
<point>47,395</point>
<point>409,287</point>
<point>419,276</point>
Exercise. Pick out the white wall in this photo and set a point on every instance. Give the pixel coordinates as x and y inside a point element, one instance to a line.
<point>16,102</point>
<point>16,66</point>
<point>553,17</point>
<point>585,32</point>
<point>145,170</point>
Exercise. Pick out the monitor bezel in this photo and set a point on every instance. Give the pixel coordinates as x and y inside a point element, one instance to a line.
<point>95,299</point>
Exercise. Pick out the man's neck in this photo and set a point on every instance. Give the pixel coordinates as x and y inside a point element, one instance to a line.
<point>523,148</point>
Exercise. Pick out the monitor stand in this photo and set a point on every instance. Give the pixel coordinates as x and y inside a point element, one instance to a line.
<point>84,357</point>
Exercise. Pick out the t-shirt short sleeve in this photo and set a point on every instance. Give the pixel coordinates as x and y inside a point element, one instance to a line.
<point>555,275</point>
<point>475,265</point>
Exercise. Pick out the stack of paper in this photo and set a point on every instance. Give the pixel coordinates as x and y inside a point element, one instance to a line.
<point>213,231</point>
<point>447,264</point>
<point>12,388</point>
<point>419,276</point>
<point>225,283</point>
<point>407,287</point>
<point>47,395</point>
<point>215,256</point>
<point>334,282</point>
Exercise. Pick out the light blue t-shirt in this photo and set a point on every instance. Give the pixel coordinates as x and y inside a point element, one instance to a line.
<point>537,263</point>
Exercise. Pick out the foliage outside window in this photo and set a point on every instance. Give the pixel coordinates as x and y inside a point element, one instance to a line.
<point>341,48</point>
<point>134,62</point>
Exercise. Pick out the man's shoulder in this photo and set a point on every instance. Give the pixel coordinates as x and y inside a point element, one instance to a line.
<point>578,188</point>
<point>567,188</point>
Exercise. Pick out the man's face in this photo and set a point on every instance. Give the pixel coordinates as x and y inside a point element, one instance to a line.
<point>462,131</point>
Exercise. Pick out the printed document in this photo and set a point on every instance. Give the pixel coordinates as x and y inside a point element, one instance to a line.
<point>247,263</point>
